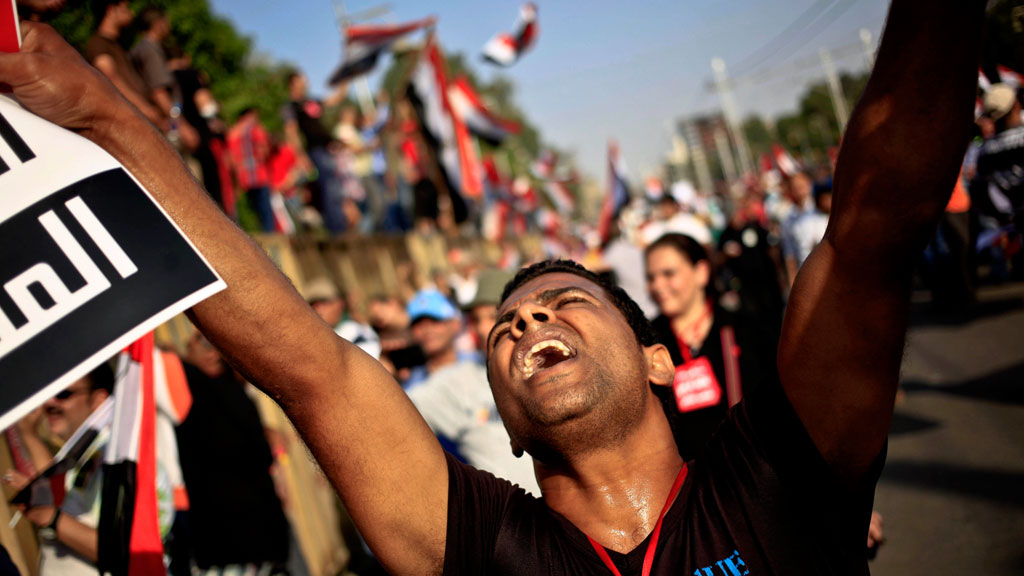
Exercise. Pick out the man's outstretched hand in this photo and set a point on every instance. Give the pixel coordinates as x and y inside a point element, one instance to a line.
<point>54,82</point>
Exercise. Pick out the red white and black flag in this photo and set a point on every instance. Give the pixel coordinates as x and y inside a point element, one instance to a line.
<point>506,49</point>
<point>443,129</point>
<point>617,195</point>
<point>786,164</point>
<point>483,123</point>
<point>556,182</point>
<point>365,43</point>
<point>129,528</point>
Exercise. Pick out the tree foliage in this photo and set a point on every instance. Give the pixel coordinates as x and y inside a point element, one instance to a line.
<point>812,128</point>
<point>237,77</point>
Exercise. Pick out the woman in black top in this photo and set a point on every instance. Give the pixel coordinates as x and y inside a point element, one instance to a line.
<point>718,356</point>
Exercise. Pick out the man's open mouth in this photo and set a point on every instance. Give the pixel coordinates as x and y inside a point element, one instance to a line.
<point>544,355</point>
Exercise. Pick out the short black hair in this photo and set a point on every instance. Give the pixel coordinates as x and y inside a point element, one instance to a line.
<point>822,188</point>
<point>149,16</point>
<point>642,328</point>
<point>99,9</point>
<point>685,245</point>
<point>101,378</point>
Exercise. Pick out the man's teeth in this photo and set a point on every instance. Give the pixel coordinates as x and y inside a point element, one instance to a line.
<point>529,366</point>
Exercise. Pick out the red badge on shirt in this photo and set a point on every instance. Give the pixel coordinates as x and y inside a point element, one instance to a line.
<point>10,39</point>
<point>695,385</point>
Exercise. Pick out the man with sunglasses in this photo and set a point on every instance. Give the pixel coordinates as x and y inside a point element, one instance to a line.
<point>67,535</point>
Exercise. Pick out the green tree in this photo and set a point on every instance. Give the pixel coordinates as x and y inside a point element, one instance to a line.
<point>237,78</point>
<point>759,136</point>
<point>1004,35</point>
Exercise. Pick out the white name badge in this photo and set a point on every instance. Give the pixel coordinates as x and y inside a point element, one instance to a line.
<point>89,262</point>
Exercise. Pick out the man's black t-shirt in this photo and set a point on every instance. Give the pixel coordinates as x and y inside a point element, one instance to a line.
<point>760,501</point>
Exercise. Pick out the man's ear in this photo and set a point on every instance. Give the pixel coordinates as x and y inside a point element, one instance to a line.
<point>660,369</point>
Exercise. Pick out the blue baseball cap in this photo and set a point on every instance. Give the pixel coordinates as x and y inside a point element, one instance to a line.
<point>430,304</point>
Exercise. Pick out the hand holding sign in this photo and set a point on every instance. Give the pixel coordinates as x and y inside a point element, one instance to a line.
<point>52,80</point>
<point>91,261</point>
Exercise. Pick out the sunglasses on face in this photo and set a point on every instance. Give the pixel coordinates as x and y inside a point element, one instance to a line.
<point>65,394</point>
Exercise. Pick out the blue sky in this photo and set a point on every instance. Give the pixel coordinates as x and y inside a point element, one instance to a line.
<point>600,69</point>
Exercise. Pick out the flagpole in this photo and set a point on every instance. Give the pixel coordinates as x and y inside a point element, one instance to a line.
<point>363,93</point>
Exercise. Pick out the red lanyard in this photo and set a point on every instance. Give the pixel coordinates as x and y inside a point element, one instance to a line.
<point>684,348</point>
<point>653,544</point>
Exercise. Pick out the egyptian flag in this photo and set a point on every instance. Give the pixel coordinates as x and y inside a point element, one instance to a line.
<point>283,223</point>
<point>443,129</point>
<point>1010,77</point>
<point>617,194</point>
<point>47,488</point>
<point>555,184</point>
<point>505,49</point>
<point>483,123</point>
<point>492,224</point>
<point>129,530</point>
<point>786,164</point>
<point>561,197</point>
<point>364,45</point>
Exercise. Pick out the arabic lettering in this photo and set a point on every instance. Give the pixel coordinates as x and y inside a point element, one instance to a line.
<point>39,318</point>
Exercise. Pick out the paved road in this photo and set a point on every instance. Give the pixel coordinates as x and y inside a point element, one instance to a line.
<point>952,491</point>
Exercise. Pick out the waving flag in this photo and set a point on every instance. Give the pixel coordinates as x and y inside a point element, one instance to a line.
<point>555,183</point>
<point>481,122</point>
<point>443,129</point>
<point>617,195</point>
<point>505,49</point>
<point>129,530</point>
<point>1010,77</point>
<point>787,165</point>
<point>47,488</point>
<point>364,45</point>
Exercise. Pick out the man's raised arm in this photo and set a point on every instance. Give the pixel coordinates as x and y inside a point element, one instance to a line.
<point>843,337</point>
<point>371,442</point>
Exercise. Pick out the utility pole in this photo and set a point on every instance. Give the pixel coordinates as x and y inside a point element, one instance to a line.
<point>869,48</point>
<point>836,89</point>
<point>363,92</point>
<point>725,155</point>
<point>731,115</point>
<point>698,157</point>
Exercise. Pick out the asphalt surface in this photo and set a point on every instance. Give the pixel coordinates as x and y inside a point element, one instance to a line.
<point>952,491</point>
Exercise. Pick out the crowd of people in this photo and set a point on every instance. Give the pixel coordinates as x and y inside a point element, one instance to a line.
<point>691,287</point>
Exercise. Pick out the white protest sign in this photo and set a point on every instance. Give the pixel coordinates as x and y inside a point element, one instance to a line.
<point>89,262</point>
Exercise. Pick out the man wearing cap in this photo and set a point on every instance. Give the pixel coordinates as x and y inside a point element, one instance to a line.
<point>1000,175</point>
<point>328,304</point>
<point>434,324</point>
<point>453,395</point>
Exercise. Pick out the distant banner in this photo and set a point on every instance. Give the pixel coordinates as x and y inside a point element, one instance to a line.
<point>89,262</point>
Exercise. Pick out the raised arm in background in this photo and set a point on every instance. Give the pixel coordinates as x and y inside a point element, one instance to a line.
<point>359,424</point>
<point>843,336</point>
